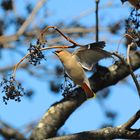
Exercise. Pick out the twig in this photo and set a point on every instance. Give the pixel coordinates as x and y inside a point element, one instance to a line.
<point>14,37</point>
<point>131,72</point>
<point>131,121</point>
<point>118,56</point>
<point>30,18</point>
<point>91,10</point>
<point>10,133</point>
<point>4,39</point>
<point>129,63</point>
<point>128,52</point>
<point>97,20</point>
<point>17,65</point>
<point>9,68</point>
<point>125,35</point>
<point>42,49</point>
<point>42,35</point>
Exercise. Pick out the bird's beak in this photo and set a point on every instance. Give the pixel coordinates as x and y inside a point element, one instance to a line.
<point>55,52</point>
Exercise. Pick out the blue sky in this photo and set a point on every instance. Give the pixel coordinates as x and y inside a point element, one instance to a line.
<point>89,116</point>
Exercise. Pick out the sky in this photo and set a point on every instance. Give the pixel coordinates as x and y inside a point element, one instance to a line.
<point>89,116</point>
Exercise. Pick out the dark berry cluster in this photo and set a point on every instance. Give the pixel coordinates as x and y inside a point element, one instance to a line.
<point>7,5</point>
<point>12,89</point>
<point>67,88</point>
<point>133,25</point>
<point>36,54</point>
<point>134,20</point>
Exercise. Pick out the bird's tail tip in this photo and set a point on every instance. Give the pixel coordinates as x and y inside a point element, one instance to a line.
<point>88,91</point>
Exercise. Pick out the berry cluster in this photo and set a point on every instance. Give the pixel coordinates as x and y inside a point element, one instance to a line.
<point>36,54</point>
<point>133,25</point>
<point>134,20</point>
<point>67,88</point>
<point>12,89</point>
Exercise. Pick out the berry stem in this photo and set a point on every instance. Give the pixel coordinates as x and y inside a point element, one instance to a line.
<point>41,49</point>
<point>17,65</point>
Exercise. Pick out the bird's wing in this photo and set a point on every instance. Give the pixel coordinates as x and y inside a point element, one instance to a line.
<point>100,44</point>
<point>88,57</point>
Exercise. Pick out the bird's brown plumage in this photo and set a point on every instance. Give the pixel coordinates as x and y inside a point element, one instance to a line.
<point>75,71</point>
<point>84,57</point>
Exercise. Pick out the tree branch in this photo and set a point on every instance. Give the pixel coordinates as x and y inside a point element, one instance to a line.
<point>122,132</point>
<point>10,133</point>
<point>30,17</point>
<point>55,117</point>
<point>97,20</point>
<point>131,121</point>
<point>4,39</point>
<point>14,37</point>
<point>131,71</point>
<point>112,75</point>
<point>102,134</point>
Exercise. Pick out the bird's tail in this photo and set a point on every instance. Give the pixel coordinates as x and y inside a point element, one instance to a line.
<point>88,91</point>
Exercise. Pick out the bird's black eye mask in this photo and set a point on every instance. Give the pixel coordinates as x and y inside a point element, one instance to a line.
<point>57,52</point>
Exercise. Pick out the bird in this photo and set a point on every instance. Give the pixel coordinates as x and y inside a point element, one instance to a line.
<point>135,3</point>
<point>82,58</point>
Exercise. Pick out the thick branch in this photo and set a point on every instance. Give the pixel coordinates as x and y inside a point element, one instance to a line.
<point>55,117</point>
<point>105,77</point>
<point>59,113</point>
<point>102,134</point>
<point>122,132</point>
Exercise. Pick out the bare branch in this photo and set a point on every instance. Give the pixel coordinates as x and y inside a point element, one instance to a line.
<point>9,68</point>
<point>30,18</point>
<point>10,38</point>
<point>122,132</point>
<point>131,71</point>
<point>102,134</point>
<point>131,121</point>
<point>45,30</point>
<point>97,20</point>
<point>4,39</point>
<point>10,133</point>
<point>128,64</point>
<point>16,66</point>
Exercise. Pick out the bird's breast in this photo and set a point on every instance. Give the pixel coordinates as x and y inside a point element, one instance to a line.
<point>75,71</point>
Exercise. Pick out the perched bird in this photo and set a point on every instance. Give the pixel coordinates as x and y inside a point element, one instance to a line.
<point>84,57</point>
<point>135,3</point>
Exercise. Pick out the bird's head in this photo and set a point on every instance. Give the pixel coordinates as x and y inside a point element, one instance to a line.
<point>62,54</point>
